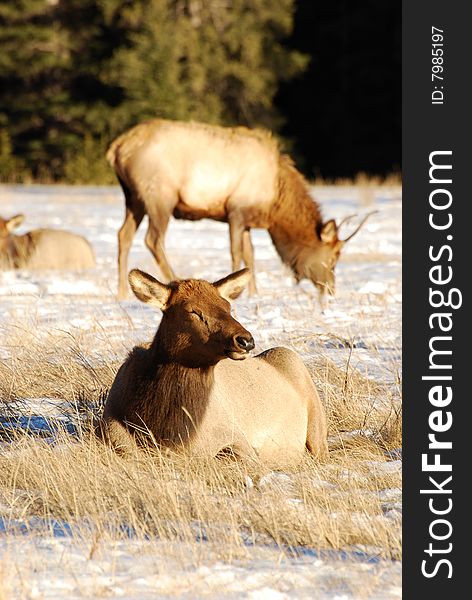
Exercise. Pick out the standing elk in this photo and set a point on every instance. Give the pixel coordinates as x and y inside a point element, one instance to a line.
<point>235,175</point>
<point>190,389</point>
<point>42,248</point>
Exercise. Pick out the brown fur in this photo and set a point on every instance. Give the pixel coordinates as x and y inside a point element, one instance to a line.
<point>157,393</point>
<point>235,175</point>
<point>182,391</point>
<point>295,219</point>
<point>42,248</point>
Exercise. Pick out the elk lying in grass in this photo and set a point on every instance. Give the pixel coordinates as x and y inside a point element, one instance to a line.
<point>236,175</point>
<point>190,388</point>
<point>42,248</point>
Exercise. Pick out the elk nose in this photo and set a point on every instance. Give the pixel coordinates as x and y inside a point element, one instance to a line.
<point>244,342</point>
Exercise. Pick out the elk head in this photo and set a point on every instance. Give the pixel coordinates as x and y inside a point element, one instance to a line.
<point>7,226</point>
<point>197,329</point>
<point>318,264</point>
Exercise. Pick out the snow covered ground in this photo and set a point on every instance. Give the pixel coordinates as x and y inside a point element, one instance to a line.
<point>362,325</point>
<point>144,571</point>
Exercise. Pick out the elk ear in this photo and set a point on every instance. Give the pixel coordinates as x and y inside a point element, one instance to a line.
<point>329,231</point>
<point>149,290</point>
<point>231,287</point>
<point>14,222</point>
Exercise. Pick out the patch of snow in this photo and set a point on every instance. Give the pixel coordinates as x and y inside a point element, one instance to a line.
<point>277,482</point>
<point>77,287</point>
<point>393,467</point>
<point>374,287</point>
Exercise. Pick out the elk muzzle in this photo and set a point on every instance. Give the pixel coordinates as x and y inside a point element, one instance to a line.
<point>241,345</point>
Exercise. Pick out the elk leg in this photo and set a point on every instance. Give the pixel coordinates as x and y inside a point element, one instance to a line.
<point>236,230</point>
<point>133,218</point>
<point>155,242</point>
<point>113,434</point>
<point>316,427</point>
<point>248,258</point>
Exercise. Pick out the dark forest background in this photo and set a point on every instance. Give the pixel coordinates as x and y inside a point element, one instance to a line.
<point>324,76</point>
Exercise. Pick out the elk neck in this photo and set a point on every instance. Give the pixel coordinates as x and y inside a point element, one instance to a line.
<point>18,249</point>
<point>173,397</point>
<point>295,218</point>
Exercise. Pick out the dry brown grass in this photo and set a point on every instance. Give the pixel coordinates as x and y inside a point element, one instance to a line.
<point>366,186</point>
<point>393,179</point>
<point>335,504</point>
<point>55,366</point>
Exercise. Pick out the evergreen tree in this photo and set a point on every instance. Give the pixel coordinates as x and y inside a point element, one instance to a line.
<point>33,68</point>
<point>75,73</point>
<point>212,60</point>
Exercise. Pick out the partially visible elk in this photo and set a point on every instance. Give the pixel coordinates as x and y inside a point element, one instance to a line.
<point>42,248</point>
<point>191,390</point>
<point>236,175</point>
